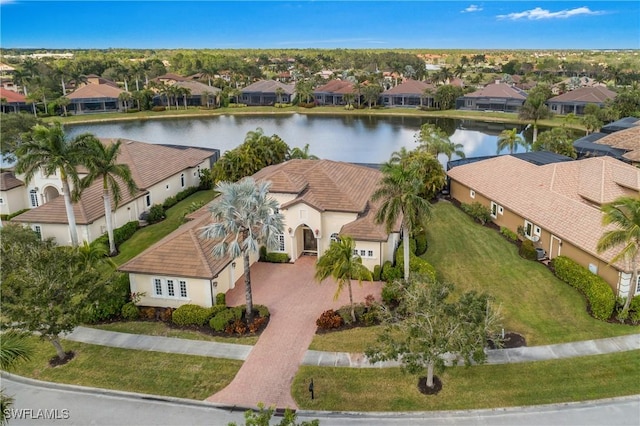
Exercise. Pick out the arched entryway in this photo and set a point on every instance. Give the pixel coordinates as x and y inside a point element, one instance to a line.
<point>304,242</point>
<point>50,193</point>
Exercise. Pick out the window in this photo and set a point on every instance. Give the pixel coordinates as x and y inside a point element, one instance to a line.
<point>500,210</point>
<point>182,180</point>
<point>494,210</point>
<point>166,187</point>
<point>183,288</point>
<point>528,229</point>
<point>1,201</point>
<point>147,200</point>
<point>537,231</point>
<point>170,289</point>
<point>38,230</point>
<point>280,242</point>
<point>33,197</point>
<point>472,193</point>
<point>157,287</point>
<point>362,253</point>
<point>370,253</point>
<point>355,252</point>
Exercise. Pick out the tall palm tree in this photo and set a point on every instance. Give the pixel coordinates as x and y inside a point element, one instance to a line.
<point>50,151</point>
<point>510,139</point>
<point>624,212</point>
<point>125,98</point>
<point>244,217</point>
<point>340,262</point>
<point>102,163</point>
<point>297,153</point>
<point>399,191</point>
<point>535,109</point>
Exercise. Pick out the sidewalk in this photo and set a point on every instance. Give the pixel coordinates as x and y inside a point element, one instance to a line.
<point>344,359</point>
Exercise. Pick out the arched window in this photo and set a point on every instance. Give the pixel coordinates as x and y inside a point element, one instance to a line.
<point>182,180</point>
<point>33,197</point>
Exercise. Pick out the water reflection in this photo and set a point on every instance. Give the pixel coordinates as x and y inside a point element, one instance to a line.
<point>365,139</point>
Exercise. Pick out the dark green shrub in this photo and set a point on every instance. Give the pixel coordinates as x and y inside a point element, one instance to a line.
<point>345,314</point>
<point>329,320</point>
<point>390,273</point>
<point>110,302</point>
<point>528,251</point>
<point>238,311</point>
<point>421,244</point>
<point>206,180</point>
<point>477,211</point>
<point>277,257</point>
<point>156,213</point>
<point>169,202</point>
<point>6,217</point>
<point>416,264</point>
<point>508,234</point>
<point>220,321</point>
<point>599,294</point>
<point>391,294</point>
<point>126,231</point>
<point>221,299</point>
<point>191,315</point>
<point>634,310</point>
<point>262,310</point>
<point>263,253</point>
<point>130,311</point>
<point>377,273</point>
<point>186,193</point>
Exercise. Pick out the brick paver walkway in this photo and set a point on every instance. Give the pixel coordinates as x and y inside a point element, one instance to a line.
<point>295,301</point>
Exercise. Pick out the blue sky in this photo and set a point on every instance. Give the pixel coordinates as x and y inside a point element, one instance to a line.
<point>321,24</point>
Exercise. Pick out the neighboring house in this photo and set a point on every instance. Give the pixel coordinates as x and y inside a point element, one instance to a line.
<point>557,205</point>
<point>12,198</point>
<point>159,172</point>
<point>620,139</point>
<point>319,199</point>
<point>98,95</point>
<point>573,83</point>
<point>169,78</point>
<point>493,97</point>
<point>333,92</point>
<point>13,101</point>
<point>573,102</point>
<point>195,97</point>
<point>410,93</point>
<point>265,92</point>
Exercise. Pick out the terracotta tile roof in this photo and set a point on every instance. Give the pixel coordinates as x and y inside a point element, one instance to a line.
<point>330,186</point>
<point>9,181</point>
<point>143,160</point>
<point>269,86</point>
<point>595,95</point>
<point>336,86</point>
<point>183,253</point>
<point>628,140</point>
<point>11,96</point>
<point>498,90</point>
<point>563,198</point>
<point>409,87</point>
<point>96,91</point>
<point>170,76</point>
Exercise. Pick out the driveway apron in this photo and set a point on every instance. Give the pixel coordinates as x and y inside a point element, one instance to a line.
<point>295,301</point>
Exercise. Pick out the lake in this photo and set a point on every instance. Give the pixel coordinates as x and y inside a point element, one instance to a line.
<point>358,139</point>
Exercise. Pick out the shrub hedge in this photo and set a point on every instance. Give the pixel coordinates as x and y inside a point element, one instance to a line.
<point>597,291</point>
<point>274,257</point>
<point>6,217</point>
<point>527,250</point>
<point>377,272</point>
<point>477,211</point>
<point>421,243</point>
<point>130,311</point>
<point>194,314</point>
<point>221,299</point>
<point>416,264</point>
<point>156,213</point>
<point>120,235</point>
<point>508,234</point>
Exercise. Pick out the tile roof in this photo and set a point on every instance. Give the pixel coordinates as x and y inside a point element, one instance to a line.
<point>197,88</point>
<point>627,140</point>
<point>269,86</point>
<point>336,86</point>
<point>92,91</point>
<point>563,198</point>
<point>11,96</point>
<point>498,90</point>
<point>596,95</point>
<point>8,181</point>
<point>170,76</point>
<point>409,87</point>
<point>143,160</point>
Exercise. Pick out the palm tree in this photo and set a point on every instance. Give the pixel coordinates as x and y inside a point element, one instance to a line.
<point>279,93</point>
<point>102,163</point>
<point>125,98</point>
<point>244,217</point>
<point>399,190</point>
<point>64,102</point>
<point>49,150</point>
<point>303,154</point>
<point>625,214</point>
<point>14,347</point>
<point>510,139</point>
<point>340,262</point>
<point>534,109</point>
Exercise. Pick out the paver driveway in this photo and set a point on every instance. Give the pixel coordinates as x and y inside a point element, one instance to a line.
<point>295,301</point>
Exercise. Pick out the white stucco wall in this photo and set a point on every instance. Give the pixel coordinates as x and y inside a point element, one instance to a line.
<point>198,291</point>
<point>13,200</point>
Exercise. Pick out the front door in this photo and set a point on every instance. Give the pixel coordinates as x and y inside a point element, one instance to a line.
<point>310,242</point>
<point>556,244</point>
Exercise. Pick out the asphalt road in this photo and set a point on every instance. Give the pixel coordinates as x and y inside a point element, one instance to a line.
<point>41,403</point>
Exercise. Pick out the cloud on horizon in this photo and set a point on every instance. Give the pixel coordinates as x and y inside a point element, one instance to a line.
<point>539,13</point>
<point>471,8</point>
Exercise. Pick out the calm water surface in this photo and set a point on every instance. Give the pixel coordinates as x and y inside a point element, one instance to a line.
<point>361,139</point>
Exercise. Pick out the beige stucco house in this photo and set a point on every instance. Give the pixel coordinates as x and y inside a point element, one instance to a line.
<point>12,194</point>
<point>558,205</point>
<point>319,199</point>
<point>159,172</point>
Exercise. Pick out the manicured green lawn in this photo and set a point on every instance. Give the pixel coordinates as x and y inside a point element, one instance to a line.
<point>161,329</point>
<point>354,340</point>
<point>156,373</point>
<point>484,386</point>
<point>150,234</point>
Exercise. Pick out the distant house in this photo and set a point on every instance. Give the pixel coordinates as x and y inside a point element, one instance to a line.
<point>267,92</point>
<point>98,95</point>
<point>410,93</point>
<point>557,205</point>
<point>159,172</point>
<point>573,102</point>
<point>12,194</point>
<point>620,139</point>
<point>195,97</point>
<point>573,83</point>
<point>319,199</point>
<point>13,101</point>
<point>493,97</point>
<point>333,92</point>
<point>169,78</point>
